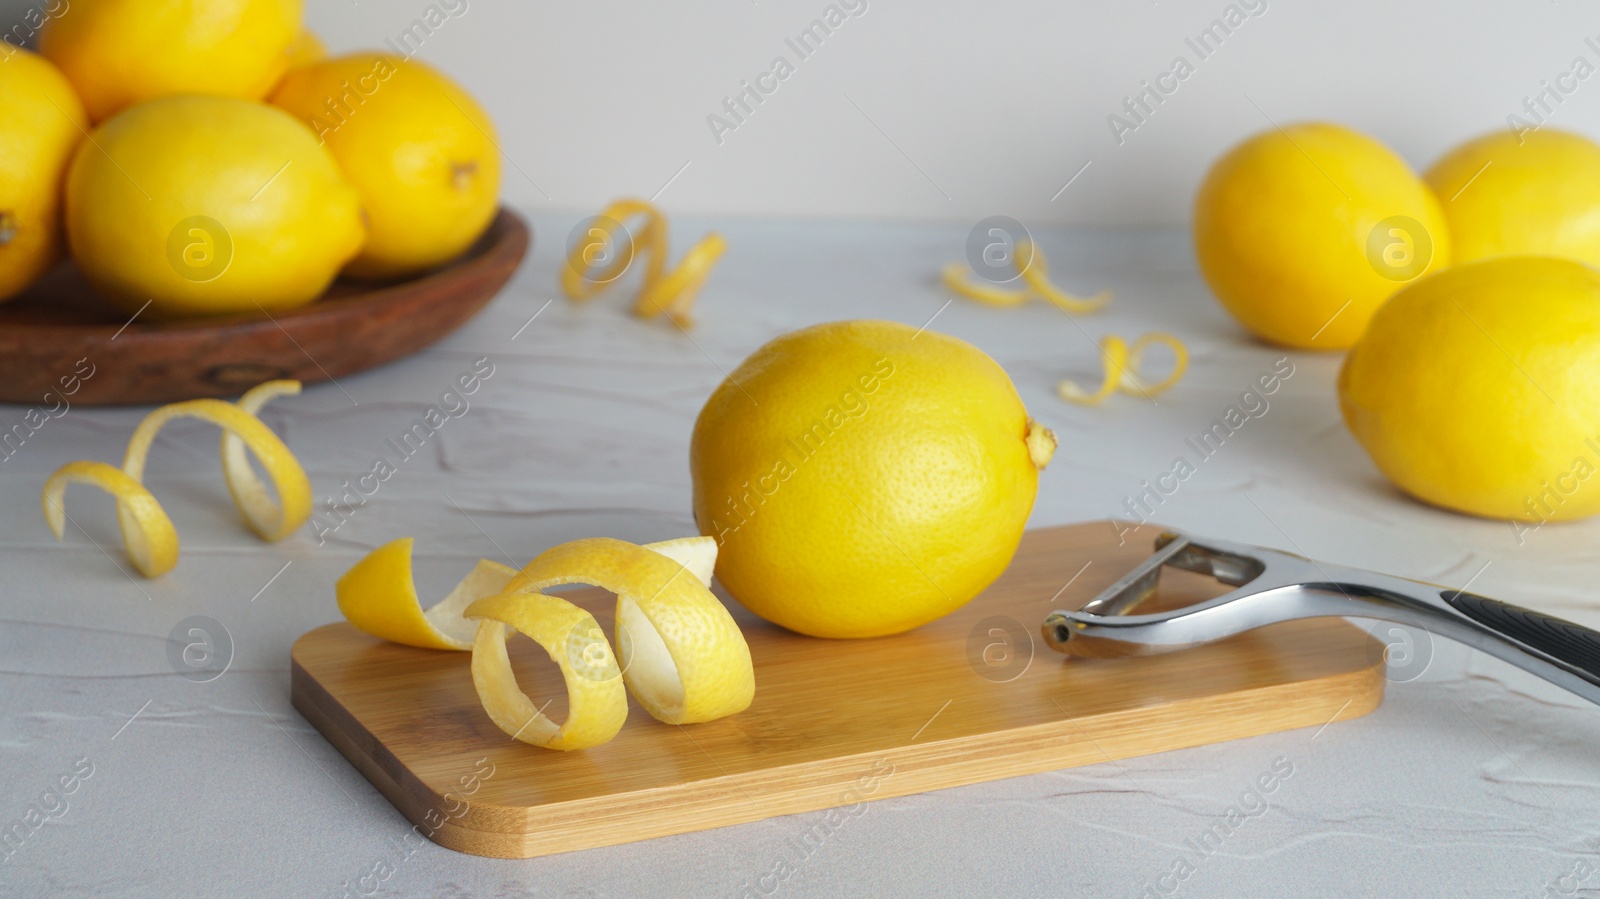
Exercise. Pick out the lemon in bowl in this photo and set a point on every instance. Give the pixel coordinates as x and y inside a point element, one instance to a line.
<point>209,205</point>
<point>121,52</point>
<point>417,147</point>
<point>45,123</point>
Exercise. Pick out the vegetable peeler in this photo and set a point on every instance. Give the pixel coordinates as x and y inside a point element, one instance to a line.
<point>1276,586</point>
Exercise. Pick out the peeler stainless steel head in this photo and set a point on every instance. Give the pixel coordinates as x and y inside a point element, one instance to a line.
<point>1275,586</point>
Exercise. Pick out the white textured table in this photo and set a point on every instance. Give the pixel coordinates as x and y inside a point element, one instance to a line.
<point>1471,780</point>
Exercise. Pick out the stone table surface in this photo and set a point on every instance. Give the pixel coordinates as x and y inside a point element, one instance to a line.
<point>1470,780</point>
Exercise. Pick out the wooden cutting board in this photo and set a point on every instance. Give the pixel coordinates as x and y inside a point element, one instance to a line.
<point>975,696</point>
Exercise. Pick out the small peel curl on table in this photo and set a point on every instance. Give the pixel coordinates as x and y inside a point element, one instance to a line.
<point>148,535</point>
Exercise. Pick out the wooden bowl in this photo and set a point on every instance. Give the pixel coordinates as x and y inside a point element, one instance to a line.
<point>355,326</point>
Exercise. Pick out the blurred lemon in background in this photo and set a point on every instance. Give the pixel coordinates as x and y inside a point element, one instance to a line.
<point>1506,195</point>
<point>207,205</point>
<point>417,147</point>
<point>121,52</point>
<point>1478,389</point>
<point>863,478</point>
<point>42,123</point>
<point>1303,232</point>
<point>306,49</point>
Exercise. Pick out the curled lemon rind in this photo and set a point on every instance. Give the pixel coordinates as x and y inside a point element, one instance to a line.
<point>597,703</point>
<point>1035,274</point>
<point>672,293</point>
<point>268,518</point>
<point>1180,362</point>
<point>379,596</point>
<point>683,657</point>
<point>148,536</point>
<point>147,533</point>
<point>1120,364</point>
<point>1035,271</point>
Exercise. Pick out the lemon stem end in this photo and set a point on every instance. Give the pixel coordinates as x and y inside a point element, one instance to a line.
<point>1041,443</point>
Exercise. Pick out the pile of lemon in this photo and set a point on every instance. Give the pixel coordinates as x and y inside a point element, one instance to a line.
<point>203,157</point>
<point>1467,298</point>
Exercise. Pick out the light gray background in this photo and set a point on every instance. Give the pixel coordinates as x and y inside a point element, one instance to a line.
<point>997,103</point>
<point>1470,780</point>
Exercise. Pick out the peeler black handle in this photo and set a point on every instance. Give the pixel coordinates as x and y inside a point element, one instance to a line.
<point>1573,644</point>
<point>1273,586</point>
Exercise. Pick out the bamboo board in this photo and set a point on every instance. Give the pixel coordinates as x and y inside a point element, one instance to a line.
<point>975,696</point>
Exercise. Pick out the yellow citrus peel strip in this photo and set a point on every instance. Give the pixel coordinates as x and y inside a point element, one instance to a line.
<point>682,655</point>
<point>1034,272</point>
<point>147,532</point>
<point>379,596</point>
<point>1121,365</point>
<point>672,293</point>
<point>596,703</point>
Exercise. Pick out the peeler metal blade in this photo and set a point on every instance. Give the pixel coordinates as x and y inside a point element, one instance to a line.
<point>1273,586</point>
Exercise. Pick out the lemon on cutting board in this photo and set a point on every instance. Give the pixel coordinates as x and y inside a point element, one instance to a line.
<point>1506,194</point>
<point>121,52</point>
<point>1478,389</point>
<point>863,478</point>
<point>1303,232</point>
<point>43,122</point>
<point>209,205</point>
<point>418,148</point>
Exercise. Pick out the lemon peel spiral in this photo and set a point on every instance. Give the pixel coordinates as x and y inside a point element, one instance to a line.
<point>672,293</point>
<point>1121,363</point>
<point>148,536</point>
<point>1034,272</point>
<point>683,658</point>
<point>379,596</point>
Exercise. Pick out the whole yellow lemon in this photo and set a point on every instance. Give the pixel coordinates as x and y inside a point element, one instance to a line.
<point>1478,389</point>
<point>42,123</point>
<point>121,52</point>
<point>1302,232</point>
<point>1506,194</point>
<point>418,148</point>
<point>862,478</point>
<point>206,205</point>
